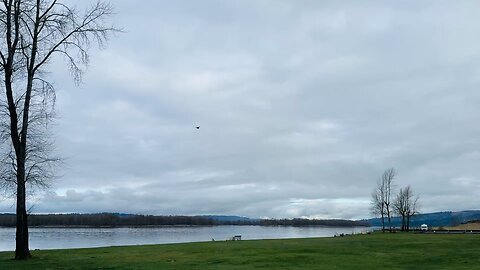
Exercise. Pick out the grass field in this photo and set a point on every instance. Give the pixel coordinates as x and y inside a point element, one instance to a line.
<point>376,251</point>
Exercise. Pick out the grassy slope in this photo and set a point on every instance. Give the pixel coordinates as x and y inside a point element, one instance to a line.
<point>467,226</point>
<point>378,251</point>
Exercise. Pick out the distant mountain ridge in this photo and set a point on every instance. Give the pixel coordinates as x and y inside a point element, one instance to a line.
<point>222,218</point>
<point>437,219</point>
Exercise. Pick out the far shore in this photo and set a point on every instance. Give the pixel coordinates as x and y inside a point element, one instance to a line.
<point>181,226</point>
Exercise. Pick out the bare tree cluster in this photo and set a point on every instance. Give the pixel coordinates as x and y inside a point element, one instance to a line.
<point>382,198</point>
<point>383,205</point>
<point>32,32</point>
<point>406,206</point>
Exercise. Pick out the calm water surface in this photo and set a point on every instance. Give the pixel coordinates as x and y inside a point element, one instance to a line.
<point>62,238</point>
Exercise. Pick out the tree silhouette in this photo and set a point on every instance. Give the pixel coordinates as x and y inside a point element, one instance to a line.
<point>32,32</point>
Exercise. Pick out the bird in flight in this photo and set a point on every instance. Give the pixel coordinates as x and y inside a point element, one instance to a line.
<point>198,127</point>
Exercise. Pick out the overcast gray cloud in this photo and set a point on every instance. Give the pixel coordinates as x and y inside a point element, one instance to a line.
<point>302,105</point>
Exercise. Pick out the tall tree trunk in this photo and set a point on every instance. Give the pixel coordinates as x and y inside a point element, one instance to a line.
<point>389,219</point>
<point>22,251</point>
<point>382,215</point>
<point>383,223</point>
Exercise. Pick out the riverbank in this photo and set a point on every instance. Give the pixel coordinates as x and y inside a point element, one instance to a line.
<point>375,251</point>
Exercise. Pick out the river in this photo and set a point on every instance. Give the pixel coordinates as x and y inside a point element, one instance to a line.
<point>66,238</point>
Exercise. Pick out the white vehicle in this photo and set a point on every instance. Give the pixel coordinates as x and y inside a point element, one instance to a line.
<point>424,227</point>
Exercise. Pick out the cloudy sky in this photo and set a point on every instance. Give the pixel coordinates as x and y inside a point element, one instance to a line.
<point>302,105</point>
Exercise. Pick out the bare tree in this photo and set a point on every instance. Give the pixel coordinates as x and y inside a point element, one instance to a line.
<point>387,183</point>
<point>377,206</point>
<point>381,204</point>
<point>412,206</point>
<point>400,205</point>
<point>32,33</point>
<point>406,206</point>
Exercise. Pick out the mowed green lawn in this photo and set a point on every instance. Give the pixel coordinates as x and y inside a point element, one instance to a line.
<point>376,251</point>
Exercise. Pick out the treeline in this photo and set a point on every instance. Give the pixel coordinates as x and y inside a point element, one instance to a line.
<point>125,220</point>
<point>313,222</point>
<point>106,220</point>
